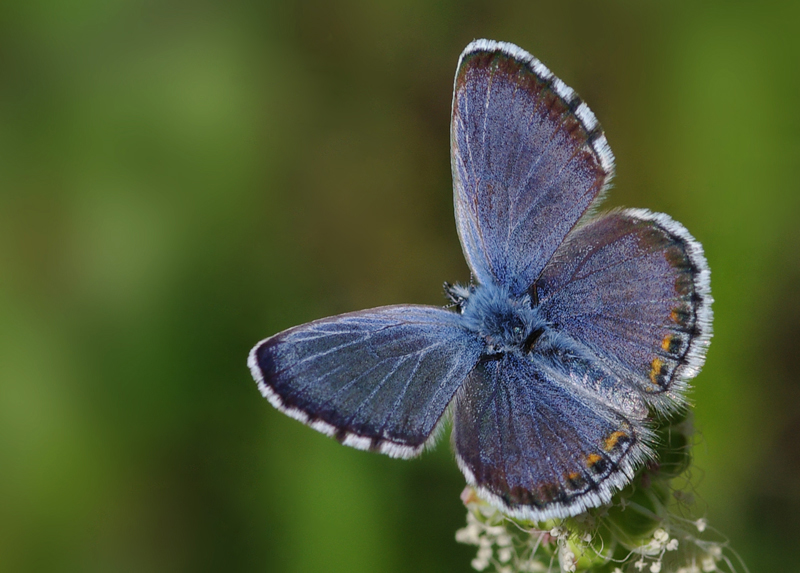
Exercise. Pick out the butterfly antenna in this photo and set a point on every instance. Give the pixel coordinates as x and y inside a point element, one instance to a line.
<point>457,295</point>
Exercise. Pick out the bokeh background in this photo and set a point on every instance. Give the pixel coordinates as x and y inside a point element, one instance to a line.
<point>181,179</point>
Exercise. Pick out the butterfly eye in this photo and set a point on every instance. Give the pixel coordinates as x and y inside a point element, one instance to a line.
<point>517,331</point>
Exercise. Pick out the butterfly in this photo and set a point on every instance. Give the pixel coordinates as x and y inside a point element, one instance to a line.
<point>574,332</point>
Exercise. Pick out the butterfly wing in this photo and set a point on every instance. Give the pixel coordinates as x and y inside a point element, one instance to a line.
<point>377,379</point>
<point>633,287</point>
<point>528,160</point>
<point>535,443</point>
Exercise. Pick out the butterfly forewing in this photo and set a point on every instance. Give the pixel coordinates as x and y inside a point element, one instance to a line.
<point>376,379</point>
<point>528,160</point>
<point>633,287</point>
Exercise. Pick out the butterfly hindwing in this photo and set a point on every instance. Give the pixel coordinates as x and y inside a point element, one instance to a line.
<point>534,443</point>
<point>377,379</point>
<point>633,286</point>
<point>528,160</point>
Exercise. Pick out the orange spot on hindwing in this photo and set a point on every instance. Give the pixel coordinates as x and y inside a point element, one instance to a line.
<point>613,439</point>
<point>576,481</point>
<point>657,370</point>
<point>672,343</point>
<point>597,464</point>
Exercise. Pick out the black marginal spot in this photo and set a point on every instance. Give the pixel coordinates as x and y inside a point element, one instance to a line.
<point>595,134</point>
<point>659,373</point>
<point>600,466</point>
<point>375,443</point>
<point>574,104</point>
<point>340,434</point>
<point>577,481</point>
<point>681,316</point>
<point>624,440</point>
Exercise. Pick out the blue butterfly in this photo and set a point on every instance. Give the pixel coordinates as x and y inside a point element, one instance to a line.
<point>578,330</point>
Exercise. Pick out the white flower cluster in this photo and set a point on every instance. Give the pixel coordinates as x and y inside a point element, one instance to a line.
<point>656,548</point>
<point>507,547</point>
<point>706,562</point>
<point>488,535</point>
<point>587,543</point>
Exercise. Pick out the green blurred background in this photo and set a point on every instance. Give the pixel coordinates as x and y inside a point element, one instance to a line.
<point>181,179</point>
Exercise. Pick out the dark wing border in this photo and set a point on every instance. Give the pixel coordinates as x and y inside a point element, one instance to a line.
<point>695,355</point>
